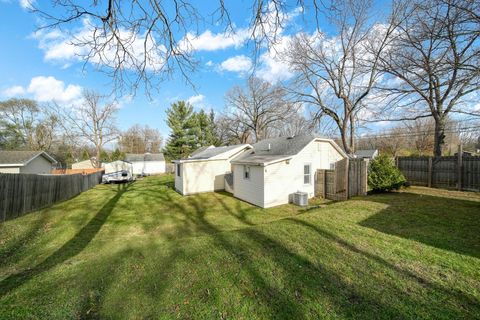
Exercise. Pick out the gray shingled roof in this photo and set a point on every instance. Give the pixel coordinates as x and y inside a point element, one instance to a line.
<point>144,157</point>
<point>273,149</point>
<point>21,157</point>
<point>201,149</point>
<point>213,152</point>
<point>286,146</point>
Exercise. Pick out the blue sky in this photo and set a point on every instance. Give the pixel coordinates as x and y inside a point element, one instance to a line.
<point>35,66</point>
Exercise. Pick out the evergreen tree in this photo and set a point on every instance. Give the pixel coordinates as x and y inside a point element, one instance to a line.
<point>104,156</point>
<point>206,128</point>
<point>85,155</point>
<point>117,155</point>
<point>184,129</point>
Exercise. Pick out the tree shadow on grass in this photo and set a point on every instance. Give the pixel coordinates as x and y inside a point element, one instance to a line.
<point>70,249</point>
<point>444,223</point>
<point>285,301</point>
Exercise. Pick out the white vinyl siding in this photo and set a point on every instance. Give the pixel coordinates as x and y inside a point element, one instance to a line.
<point>250,190</point>
<point>201,176</point>
<point>9,169</point>
<point>283,179</point>
<point>148,167</point>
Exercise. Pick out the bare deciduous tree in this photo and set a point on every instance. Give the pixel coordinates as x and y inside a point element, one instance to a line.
<point>259,108</point>
<point>93,120</point>
<point>434,63</point>
<point>138,139</point>
<point>337,74</point>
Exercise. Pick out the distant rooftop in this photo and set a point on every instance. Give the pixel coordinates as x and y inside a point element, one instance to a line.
<point>370,153</point>
<point>22,157</point>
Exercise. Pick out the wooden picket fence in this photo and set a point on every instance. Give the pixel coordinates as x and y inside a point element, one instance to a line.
<point>348,179</point>
<point>23,193</point>
<point>452,172</point>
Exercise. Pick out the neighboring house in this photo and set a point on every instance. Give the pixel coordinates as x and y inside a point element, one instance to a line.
<point>366,154</point>
<point>85,164</point>
<point>146,164</point>
<point>276,168</point>
<point>116,166</point>
<point>38,162</point>
<point>205,169</point>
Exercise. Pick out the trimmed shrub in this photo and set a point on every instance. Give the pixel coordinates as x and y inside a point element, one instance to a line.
<point>384,176</point>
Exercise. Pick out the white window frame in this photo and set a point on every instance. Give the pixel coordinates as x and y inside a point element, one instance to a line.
<point>179,168</point>
<point>246,172</point>
<point>309,174</point>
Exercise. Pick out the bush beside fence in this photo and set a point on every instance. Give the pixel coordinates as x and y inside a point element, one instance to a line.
<point>22,193</point>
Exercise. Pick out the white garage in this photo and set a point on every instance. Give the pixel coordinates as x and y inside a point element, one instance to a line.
<point>147,163</point>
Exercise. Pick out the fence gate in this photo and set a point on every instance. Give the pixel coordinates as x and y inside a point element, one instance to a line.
<point>349,178</point>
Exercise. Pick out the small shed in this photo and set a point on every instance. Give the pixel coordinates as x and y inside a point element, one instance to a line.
<point>205,169</point>
<point>146,163</point>
<point>36,162</point>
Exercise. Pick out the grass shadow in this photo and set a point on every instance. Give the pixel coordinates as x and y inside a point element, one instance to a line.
<point>444,223</point>
<point>70,249</point>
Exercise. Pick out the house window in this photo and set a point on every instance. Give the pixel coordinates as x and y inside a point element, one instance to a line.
<point>178,169</point>
<point>246,172</point>
<point>307,174</point>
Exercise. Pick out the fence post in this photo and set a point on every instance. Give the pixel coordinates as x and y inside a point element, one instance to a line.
<point>324,183</point>
<point>459,167</point>
<point>347,180</point>
<point>430,166</point>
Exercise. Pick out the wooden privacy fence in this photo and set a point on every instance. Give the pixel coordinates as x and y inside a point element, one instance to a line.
<point>22,193</point>
<point>348,179</point>
<point>452,172</point>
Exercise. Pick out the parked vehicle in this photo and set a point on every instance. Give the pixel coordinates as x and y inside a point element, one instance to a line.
<point>119,176</point>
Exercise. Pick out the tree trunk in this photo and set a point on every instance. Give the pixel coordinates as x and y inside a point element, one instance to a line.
<point>352,134</point>
<point>98,163</point>
<point>345,142</point>
<point>439,139</point>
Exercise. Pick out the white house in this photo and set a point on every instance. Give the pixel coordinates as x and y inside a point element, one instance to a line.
<point>37,162</point>
<point>146,164</point>
<point>205,169</point>
<point>276,168</point>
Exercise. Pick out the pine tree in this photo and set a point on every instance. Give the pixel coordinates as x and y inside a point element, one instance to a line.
<point>206,128</point>
<point>182,122</point>
<point>85,155</point>
<point>117,155</point>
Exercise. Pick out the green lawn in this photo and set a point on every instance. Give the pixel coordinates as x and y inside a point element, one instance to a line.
<point>143,251</point>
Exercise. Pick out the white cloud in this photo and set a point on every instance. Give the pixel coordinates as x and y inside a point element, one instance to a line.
<point>14,91</point>
<point>64,48</point>
<point>45,89</point>
<point>208,41</point>
<point>272,67</point>
<point>196,100</point>
<point>240,64</point>
<point>209,63</point>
